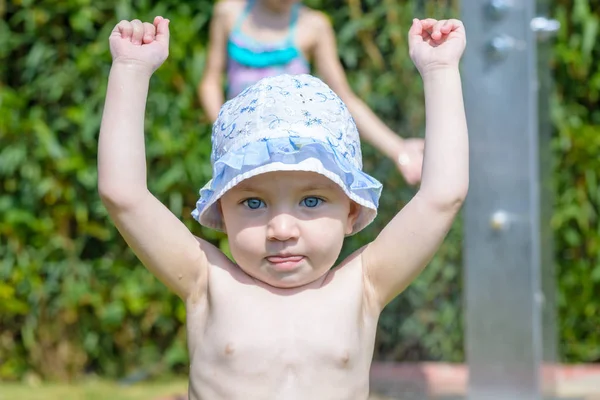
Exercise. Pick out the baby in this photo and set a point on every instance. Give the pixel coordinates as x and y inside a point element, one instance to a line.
<point>281,322</point>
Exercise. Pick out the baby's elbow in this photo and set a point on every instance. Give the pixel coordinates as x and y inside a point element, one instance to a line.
<point>460,195</point>
<point>108,196</point>
<point>114,197</point>
<point>457,198</point>
<point>457,202</point>
<point>446,201</point>
<point>450,204</point>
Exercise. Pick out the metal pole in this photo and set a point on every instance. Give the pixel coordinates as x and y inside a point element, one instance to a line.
<point>509,295</point>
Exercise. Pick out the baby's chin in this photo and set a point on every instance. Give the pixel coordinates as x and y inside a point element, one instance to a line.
<point>293,283</point>
<point>287,280</point>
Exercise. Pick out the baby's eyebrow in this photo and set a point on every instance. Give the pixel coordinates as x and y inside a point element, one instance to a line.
<point>308,187</point>
<point>319,186</point>
<point>246,187</point>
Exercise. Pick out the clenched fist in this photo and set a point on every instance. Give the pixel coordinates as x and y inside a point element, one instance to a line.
<point>436,44</point>
<point>141,43</point>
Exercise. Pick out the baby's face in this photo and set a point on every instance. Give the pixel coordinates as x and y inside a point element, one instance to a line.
<point>286,228</point>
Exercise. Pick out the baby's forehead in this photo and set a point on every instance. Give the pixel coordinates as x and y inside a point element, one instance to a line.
<point>291,180</point>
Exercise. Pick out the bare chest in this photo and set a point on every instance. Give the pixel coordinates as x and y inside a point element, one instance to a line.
<point>257,329</point>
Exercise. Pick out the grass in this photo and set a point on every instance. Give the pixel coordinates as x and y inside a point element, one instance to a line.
<point>92,390</point>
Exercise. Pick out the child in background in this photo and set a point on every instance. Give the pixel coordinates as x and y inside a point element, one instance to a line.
<point>281,322</point>
<point>255,39</point>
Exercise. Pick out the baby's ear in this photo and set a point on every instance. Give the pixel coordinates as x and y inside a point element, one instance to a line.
<point>352,217</point>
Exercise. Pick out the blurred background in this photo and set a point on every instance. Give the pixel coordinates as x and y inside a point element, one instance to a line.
<point>76,304</point>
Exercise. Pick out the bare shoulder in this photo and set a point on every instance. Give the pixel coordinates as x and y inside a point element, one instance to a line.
<point>349,268</point>
<point>214,255</point>
<point>221,269</point>
<point>348,281</point>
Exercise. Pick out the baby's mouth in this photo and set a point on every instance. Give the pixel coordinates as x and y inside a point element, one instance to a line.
<point>285,262</point>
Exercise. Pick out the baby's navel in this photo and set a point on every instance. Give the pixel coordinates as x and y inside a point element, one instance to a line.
<point>229,349</point>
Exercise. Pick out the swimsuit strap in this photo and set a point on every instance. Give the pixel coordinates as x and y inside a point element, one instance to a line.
<point>293,22</point>
<point>243,15</point>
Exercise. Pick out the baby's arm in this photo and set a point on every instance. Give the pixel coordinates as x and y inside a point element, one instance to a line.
<point>371,128</point>
<point>410,240</point>
<point>210,89</point>
<point>158,238</point>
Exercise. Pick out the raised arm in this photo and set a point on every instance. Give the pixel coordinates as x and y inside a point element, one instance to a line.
<point>407,154</point>
<point>410,240</point>
<point>160,240</point>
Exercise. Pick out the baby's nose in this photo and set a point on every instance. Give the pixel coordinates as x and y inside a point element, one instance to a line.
<point>283,227</point>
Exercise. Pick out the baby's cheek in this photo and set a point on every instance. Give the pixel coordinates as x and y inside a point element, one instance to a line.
<point>246,244</point>
<point>327,240</point>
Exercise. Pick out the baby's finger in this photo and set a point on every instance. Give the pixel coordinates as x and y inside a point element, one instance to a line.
<point>428,24</point>
<point>138,31</point>
<point>125,29</point>
<point>162,29</point>
<point>446,28</point>
<point>416,28</point>
<point>436,32</point>
<point>454,25</point>
<point>149,33</point>
<point>415,33</point>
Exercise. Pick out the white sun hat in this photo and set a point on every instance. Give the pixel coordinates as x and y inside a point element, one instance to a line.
<point>286,123</point>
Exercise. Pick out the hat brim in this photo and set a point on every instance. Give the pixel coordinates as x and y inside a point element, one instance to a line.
<point>287,154</point>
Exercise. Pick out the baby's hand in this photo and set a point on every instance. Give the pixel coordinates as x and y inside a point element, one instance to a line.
<point>436,44</point>
<point>140,43</point>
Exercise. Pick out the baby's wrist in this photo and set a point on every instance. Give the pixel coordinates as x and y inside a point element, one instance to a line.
<point>434,70</point>
<point>135,67</point>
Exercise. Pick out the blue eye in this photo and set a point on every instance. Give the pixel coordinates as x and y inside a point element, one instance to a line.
<point>254,204</point>
<point>312,202</point>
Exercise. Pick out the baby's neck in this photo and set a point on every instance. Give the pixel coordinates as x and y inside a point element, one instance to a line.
<point>282,290</point>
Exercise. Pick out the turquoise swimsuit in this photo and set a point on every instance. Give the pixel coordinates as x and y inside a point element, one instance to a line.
<point>250,60</point>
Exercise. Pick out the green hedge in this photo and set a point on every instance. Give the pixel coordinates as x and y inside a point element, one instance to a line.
<point>576,148</point>
<point>74,299</point>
